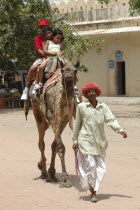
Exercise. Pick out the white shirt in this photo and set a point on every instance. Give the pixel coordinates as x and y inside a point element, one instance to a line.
<point>89,127</point>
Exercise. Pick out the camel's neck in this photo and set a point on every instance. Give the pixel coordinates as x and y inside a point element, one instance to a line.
<point>68,89</point>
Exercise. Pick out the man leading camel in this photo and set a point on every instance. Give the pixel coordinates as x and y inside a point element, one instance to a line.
<point>89,138</point>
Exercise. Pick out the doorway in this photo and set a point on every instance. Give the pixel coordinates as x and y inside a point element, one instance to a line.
<point>120,78</point>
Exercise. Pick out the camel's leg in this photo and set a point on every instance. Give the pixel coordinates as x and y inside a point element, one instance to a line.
<point>42,162</point>
<point>51,171</point>
<point>42,125</point>
<point>58,146</point>
<point>65,182</point>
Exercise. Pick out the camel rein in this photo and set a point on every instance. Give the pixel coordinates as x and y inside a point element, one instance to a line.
<point>67,99</point>
<point>76,166</point>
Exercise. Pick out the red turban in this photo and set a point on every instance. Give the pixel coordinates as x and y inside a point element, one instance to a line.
<point>91,86</point>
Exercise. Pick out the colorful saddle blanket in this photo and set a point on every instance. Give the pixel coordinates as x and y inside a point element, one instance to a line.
<point>53,80</point>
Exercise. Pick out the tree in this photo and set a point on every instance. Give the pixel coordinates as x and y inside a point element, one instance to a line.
<point>18,27</point>
<point>134,6</point>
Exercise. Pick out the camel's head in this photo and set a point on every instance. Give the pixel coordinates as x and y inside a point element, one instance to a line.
<point>69,71</point>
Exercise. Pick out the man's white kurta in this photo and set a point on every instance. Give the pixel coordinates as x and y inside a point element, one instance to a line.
<point>89,127</point>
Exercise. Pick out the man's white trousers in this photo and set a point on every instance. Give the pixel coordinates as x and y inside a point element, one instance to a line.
<point>92,169</point>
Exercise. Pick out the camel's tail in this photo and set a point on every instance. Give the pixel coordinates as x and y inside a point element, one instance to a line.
<point>26,108</point>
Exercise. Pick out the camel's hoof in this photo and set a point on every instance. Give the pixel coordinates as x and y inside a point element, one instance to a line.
<point>51,175</point>
<point>65,185</point>
<point>62,185</point>
<point>54,179</point>
<point>69,185</point>
<point>43,176</point>
<point>65,182</point>
<point>51,179</point>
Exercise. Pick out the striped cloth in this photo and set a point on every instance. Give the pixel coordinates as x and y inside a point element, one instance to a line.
<point>53,80</point>
<point>52,47</point>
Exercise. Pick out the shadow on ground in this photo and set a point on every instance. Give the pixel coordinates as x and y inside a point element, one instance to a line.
<point>102,196</point>
<point>86,195</point>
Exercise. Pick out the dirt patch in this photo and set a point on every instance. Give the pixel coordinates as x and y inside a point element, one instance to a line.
<point>21,188</point>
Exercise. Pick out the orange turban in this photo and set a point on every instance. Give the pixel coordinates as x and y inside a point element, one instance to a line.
<point>91,86</point>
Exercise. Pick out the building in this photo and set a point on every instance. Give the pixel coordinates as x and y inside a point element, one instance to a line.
<point>116,70</point>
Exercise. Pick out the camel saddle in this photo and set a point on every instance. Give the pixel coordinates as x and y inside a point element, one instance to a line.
<point>53,80</point>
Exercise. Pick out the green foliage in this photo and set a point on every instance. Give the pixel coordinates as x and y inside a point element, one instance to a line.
<point>18,27</point>
<point>134,6</point>
<point>76,46</point>
<point>104,1</point>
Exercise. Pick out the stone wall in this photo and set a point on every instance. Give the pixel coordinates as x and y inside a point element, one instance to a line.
<point>82,5</point>
<point>101,14</point>
<point>91,10</point>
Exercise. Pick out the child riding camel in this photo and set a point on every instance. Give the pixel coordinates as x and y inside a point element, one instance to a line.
<point>51,48</point>
<point>46,34</point>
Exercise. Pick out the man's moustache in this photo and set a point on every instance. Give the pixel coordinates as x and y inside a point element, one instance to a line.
<point>92,95</point>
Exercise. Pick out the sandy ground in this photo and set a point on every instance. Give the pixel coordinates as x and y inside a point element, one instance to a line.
<point>21,189</point>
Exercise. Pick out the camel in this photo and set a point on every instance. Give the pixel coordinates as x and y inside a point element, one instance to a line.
<point>58,112</point>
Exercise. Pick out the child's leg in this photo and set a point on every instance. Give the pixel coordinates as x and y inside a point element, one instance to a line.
<point>51,67</point>
<point>31,75</point>
<point>32,71</point>
<point>41,70</point>
<point>37,77</point>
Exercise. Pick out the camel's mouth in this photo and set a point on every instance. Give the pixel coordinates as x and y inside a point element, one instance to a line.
<point>68,78</point>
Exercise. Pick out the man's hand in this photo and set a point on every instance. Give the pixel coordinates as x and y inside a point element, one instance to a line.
<point>124,134</point>
<point>75,147</point>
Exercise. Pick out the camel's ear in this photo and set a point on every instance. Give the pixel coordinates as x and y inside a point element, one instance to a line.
<point>77,64</point>
<point>61,64</point>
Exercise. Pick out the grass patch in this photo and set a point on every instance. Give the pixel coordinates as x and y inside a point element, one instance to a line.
<point>136,104</point>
